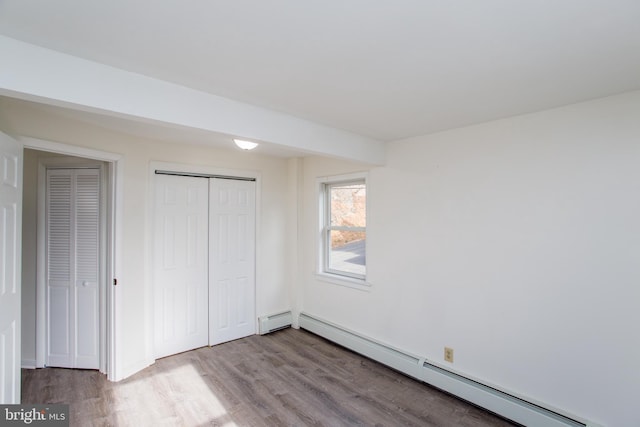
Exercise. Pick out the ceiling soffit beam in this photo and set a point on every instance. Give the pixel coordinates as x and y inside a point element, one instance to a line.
<point>34,73</point>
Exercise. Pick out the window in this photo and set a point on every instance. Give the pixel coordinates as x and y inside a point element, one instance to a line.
<point>344,220</point>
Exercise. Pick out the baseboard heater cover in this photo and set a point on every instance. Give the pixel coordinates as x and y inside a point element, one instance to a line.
<point>274,322</point>
<point>492,399</point>
<point>399,360</point>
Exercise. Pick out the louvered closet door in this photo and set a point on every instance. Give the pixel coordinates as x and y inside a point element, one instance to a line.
<point>73,234</point>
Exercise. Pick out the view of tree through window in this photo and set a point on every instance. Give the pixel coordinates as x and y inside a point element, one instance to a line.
<point>346,230</point>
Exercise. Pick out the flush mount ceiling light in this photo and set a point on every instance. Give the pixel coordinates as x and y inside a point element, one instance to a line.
<point>245,145</point>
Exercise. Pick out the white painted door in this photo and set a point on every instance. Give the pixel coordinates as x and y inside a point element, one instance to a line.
<point>72,268</point>
<point>10,255</point>
<point>232,260</point>
<point>180,264</point>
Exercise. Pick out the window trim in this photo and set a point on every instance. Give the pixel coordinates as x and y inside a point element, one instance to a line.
<point>323,271</point>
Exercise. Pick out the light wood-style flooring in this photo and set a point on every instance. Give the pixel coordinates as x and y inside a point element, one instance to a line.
<point>288,378</point>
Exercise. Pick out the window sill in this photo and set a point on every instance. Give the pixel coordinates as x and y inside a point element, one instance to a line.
<point>335,279</point>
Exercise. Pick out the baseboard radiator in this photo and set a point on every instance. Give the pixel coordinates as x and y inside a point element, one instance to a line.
<point>274,322</point>
<point>494,400</point>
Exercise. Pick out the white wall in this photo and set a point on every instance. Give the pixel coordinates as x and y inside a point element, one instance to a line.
<point>273,270</point>
<point>516,243</point>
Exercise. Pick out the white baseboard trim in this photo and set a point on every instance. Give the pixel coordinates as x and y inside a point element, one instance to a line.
<point>133,369</point>
<point>28,363</point>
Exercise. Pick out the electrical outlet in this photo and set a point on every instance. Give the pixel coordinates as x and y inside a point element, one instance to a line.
<point>448,354</point>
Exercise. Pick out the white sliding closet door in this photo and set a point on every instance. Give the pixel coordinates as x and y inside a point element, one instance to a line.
<point>73,272</point>
<point>10,254</point>
<point>232,260</point>
<point>180,264</point>
<point>204,262</point>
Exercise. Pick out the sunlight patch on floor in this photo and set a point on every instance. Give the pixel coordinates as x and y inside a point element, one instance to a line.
<point>179,394</point>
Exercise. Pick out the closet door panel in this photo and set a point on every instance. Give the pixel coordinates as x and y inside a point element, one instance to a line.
<point>232,260</point>
<point>180,283</point>
<point>73,242</point>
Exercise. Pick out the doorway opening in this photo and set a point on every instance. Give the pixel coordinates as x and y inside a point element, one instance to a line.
<point>42,159</point>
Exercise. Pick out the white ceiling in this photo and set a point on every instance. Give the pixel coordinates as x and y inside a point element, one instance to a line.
<point>386,69</point>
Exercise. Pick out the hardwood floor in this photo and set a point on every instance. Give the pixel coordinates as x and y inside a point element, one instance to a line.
<point>288,378</point>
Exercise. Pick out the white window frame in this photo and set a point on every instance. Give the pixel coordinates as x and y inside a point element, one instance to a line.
<point>324,204</point>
